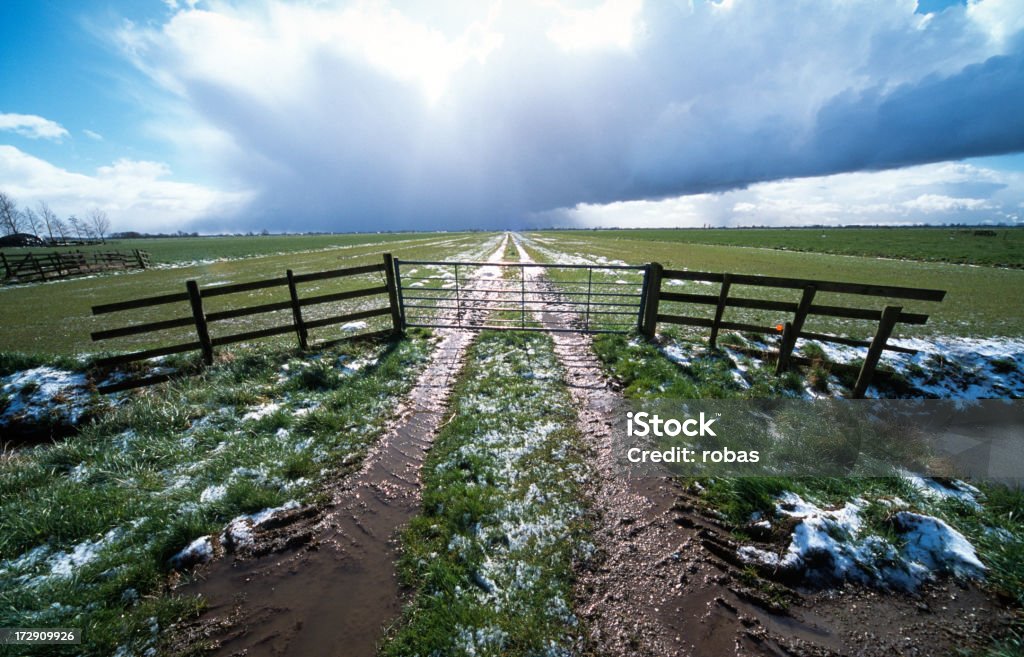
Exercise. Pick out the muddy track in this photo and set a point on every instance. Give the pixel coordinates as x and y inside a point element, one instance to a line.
<point>322,581</point>
<point>666,581</point>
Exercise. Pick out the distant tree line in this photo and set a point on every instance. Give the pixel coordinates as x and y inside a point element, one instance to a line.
<point>43,223</point>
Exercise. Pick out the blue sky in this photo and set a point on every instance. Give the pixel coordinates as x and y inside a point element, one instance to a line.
<point>370,114</point>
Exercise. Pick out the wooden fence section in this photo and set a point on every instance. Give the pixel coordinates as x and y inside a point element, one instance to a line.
<point>32,267</point>
<point>887,317</point>
<point>201,320</point>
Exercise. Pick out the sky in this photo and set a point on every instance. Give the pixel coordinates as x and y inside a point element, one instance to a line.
<point>365,115</point>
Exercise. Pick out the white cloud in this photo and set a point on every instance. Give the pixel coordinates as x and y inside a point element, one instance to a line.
<point>135,194</point>
<point>32,126</point>
<point>481,114</point>
<point>95,136</point>
<point>912,195</point>
<point>610,24</point>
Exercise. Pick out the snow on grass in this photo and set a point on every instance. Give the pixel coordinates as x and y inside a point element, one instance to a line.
<point>502,517</point>
<point>238,533</point>
<point>947,367</point>
<point>45,393</point>
<point>833,545</point>
<point>936,489</point>
<point>173,465</point>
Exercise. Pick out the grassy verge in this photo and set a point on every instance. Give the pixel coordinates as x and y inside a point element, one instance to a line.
<point>490,559</point>
<point>88,525</point>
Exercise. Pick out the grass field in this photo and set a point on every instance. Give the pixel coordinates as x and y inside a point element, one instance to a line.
<point>56,317</point>
<point>957,245</point>
<point>174,250</point>
<point>980,301</point>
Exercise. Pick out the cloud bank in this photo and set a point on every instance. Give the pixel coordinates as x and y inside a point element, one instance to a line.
<point>940,193</point>
<point>137,195</point>
<point>376,115</point>
<point>369,114</point>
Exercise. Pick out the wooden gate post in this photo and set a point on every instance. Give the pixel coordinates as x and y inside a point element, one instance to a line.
<point>789,338</point>
<point>196,300</point>
<point>300,326</point>
<point>890,316</point>
<point>396,309</point>
<point>723,297</point>
<point>652,293</point>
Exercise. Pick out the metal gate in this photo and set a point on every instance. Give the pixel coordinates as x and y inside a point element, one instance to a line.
<point>521,296</point>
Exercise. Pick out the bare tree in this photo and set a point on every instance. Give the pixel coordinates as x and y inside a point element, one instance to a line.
<point>76,225</point>
<point>100,224</point>
<point>32,221</point>
<point>10,217</point>
<point>62,228</point>
<point>50,219</point>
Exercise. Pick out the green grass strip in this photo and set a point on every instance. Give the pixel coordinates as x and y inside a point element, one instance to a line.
<point>491,556</point>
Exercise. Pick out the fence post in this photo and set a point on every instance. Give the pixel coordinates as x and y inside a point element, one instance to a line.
<point>138,257</point>
<point>300,326</point>
<point>789,339</point>
<point>890,316</point>
<point>396,310</point>
<point>7,267</point>
<point>723,296</point>
<point>196,300</point>
<point>652,293</point>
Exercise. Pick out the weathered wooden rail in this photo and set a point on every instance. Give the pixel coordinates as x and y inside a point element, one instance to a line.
<point>201,320</point>
<point>33,267</point>
<point>887,317</point>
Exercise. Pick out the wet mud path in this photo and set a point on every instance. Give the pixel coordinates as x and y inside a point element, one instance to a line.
<point>322,581</point>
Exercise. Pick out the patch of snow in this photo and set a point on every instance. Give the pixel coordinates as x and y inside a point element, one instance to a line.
<point>354,326</point>
<point>261,412</point>
<point>65,564</point>
<point>198,551</point>
<point>956,489</point>
<point>213,494</point>
<point>936,546</point>
<point>239,530</point>
<point>44,392</point>
<point>827,546</point>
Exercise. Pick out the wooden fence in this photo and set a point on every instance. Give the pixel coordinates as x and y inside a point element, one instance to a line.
<point>32,267</point>
<point>201,320</point>
<point>887,317</point>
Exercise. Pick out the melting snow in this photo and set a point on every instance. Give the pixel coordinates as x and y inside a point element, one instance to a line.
<point>827,546</point>
<point>53,393</point>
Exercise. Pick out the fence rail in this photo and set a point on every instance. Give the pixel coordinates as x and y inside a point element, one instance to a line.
<point>33,267</point>
<point>887,317</point>
<point>201,320</point>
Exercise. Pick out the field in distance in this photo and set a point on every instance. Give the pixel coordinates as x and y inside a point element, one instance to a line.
<point>980,301</point>
<point>975,245</point>
<point>173,250</point>
<point>56,317</point>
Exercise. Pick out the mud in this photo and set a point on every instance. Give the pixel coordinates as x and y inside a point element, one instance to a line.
<point>665,581</point>
<point>322,581</point>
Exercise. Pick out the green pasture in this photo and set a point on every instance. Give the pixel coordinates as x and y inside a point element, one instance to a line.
<point>168,250</point>
<point>966,245</point>
<point>55,317</point>
<point>980,301</point>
